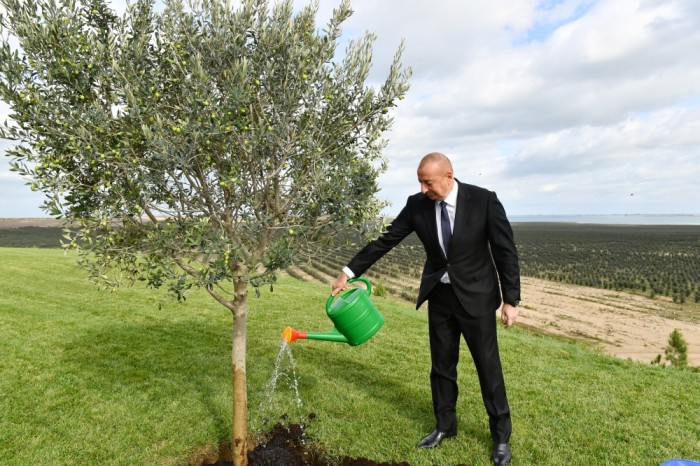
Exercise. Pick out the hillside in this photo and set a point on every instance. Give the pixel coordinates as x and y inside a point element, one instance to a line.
<point>622,323</point>
<point>625,321</point>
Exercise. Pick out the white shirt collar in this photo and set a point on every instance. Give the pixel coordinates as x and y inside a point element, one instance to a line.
<point>451,198</point>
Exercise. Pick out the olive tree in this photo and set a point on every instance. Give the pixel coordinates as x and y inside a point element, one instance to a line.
<point>195,145</point>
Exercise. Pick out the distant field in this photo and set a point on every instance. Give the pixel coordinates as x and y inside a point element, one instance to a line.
<point>31,232</point>
<point>30,222</point>
<point>619,319</point>
<point>655,260</point>
<point>652,259</point>
<point>31,237</point>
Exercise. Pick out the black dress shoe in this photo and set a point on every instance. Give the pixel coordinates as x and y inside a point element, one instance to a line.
<point>434,438</point>
<point>501,454</point>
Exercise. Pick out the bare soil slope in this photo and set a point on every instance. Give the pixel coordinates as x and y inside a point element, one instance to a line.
<point>623,324</point>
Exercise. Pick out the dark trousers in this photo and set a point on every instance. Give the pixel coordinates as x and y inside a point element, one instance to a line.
<point>447,321</point>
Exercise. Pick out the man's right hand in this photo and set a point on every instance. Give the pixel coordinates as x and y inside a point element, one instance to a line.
<point>339,284</point>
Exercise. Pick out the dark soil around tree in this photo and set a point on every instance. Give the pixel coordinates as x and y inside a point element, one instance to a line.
<point>286,445</point>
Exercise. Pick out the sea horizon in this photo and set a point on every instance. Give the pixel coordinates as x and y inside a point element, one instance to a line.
<point>612,219</point>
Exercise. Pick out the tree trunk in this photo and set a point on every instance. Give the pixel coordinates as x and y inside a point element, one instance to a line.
<point>239,431</point>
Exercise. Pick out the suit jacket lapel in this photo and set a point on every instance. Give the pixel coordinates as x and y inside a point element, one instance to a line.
<point>430,222</point>
<point>464,208</point>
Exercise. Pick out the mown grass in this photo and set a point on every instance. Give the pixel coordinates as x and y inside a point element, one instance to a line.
<point>93,377</point>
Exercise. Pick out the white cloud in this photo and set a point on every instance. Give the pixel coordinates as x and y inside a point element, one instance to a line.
<point>566,124</point>
<point>565,106</point>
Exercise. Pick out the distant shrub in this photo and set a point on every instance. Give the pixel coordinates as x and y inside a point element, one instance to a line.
<point>379,289</point>
<point>677,349</point>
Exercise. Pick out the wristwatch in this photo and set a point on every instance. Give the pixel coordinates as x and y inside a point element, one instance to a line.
<point>514,303</point>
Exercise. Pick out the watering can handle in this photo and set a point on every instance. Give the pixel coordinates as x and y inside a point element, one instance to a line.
<point>361,278</point>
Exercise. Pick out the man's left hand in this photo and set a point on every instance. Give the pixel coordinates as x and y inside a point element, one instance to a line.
<point>509,314</point>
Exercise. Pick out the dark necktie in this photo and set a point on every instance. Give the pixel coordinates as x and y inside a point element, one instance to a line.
<point>445,225</point>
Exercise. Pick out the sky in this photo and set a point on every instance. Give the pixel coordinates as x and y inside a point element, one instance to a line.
<point>562,107</point>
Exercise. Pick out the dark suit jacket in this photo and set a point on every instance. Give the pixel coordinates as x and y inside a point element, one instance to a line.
<point>482,263</point>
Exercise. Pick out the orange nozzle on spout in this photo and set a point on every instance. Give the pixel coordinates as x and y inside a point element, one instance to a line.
<point>289,335</point>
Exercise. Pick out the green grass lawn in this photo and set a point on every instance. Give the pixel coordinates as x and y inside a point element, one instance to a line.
<point>131,377</point>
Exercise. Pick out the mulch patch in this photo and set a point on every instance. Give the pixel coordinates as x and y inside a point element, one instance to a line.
<point>286,445</point>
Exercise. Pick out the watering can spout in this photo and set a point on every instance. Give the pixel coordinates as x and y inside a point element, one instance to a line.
<point>353,314</point>
<point>289,335</point>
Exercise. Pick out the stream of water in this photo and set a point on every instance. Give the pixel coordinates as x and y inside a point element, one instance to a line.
<point>282,386</point>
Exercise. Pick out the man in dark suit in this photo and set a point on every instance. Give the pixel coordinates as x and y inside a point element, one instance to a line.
<point>471,267</point>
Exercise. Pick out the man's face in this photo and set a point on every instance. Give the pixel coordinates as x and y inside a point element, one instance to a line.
<point>435,182</point>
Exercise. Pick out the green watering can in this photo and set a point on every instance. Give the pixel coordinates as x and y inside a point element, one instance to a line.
<point>353,314</point>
